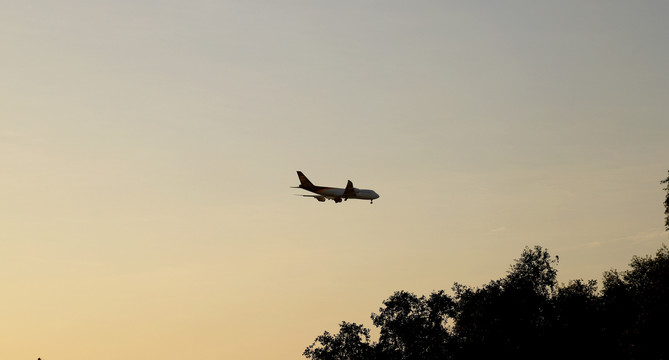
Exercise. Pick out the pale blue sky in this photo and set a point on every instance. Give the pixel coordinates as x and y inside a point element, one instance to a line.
<point>148,149</point>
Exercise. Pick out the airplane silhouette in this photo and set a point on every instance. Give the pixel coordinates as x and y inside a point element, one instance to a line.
<point>336,194</point>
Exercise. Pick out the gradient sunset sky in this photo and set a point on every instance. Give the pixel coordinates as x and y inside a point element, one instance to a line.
<point>147,149</point>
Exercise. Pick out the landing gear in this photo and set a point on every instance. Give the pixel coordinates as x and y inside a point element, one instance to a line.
<point>371,201</point>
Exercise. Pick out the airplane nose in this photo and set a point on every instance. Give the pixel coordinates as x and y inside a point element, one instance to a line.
<point>376,196</point>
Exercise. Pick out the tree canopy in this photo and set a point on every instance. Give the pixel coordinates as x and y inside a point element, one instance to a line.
<point>524,315</point>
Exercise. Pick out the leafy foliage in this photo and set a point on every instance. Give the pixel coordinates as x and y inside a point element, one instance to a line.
<point>351,343</point>
<point>524,315</point>
<point>508,317</point>
<point>639,300</point>
<point>413,327</point>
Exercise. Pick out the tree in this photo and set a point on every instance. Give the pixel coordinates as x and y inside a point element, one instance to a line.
<point>638,301</point>
<point>351,343</point>
<point>479,319</point>
<point>534,271</point>
<point>524,315</point>
<point>576,321</point>
<point>508,317</point>
<point>414,327</point>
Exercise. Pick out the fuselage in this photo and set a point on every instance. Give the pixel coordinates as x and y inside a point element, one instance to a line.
<point>363,194</point>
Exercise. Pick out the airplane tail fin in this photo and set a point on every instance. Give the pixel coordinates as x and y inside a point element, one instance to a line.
<point>304,182</point>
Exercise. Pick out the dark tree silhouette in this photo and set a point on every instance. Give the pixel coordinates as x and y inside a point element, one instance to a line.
<point>508,317</point>
<point>414,327</point>
<point>524,315</point>
<point>351,343</point>
<point>638,300</point>
<point>576,322</point>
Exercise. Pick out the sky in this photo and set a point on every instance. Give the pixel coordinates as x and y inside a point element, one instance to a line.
<point>148,148</point>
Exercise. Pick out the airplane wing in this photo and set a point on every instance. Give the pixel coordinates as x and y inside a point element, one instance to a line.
<point>349,192</point>
<point>320,198</point>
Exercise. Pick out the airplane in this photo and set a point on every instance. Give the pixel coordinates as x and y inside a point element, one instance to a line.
<point>336,194</point>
